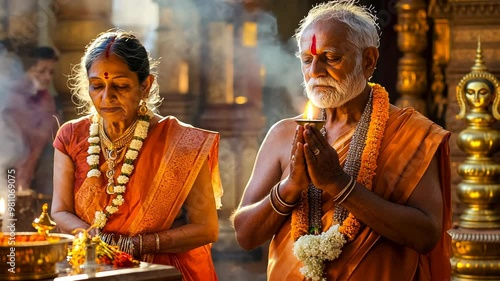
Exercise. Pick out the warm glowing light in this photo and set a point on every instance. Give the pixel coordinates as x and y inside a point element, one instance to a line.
<point>309,113</point>
<point>183,77</point>
<point>240,100</point>
<point>2,207</point>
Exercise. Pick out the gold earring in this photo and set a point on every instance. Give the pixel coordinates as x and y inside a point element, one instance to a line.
<point>143,108</point>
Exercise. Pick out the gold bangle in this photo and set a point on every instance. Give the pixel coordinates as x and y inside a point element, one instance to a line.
<point>274,207</point>
<point>140,246</point>
<point>157,238</point>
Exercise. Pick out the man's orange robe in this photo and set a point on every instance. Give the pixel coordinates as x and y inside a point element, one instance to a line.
<point>408,146</point>
<point>165,170</point>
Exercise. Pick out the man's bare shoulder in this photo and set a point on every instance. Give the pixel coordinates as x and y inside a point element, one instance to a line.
<point>283,129</point>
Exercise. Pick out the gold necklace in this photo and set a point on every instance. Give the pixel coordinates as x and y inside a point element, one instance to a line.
<point>112,149</point>
<point>123,140</point>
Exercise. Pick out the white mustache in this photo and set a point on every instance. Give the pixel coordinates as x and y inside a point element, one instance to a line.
<point>322,81</point>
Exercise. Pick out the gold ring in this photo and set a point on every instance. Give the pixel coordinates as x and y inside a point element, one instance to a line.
<point>316,151</point>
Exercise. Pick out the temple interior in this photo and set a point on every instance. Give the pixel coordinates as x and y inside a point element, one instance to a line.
<point>230,66</point>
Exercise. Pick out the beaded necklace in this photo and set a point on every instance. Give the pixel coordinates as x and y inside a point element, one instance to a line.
<point>313,249</point>
<point>351,167</point>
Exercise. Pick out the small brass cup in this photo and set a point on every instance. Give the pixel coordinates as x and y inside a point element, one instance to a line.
<point>316,123</point>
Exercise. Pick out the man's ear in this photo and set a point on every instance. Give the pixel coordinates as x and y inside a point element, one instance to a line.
<point>370,58</point>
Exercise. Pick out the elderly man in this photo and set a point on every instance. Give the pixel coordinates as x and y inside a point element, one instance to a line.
<point>367,197</point>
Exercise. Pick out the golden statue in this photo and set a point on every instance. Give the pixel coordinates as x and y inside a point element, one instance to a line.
<point>476,240</point>
<point>478,88</point>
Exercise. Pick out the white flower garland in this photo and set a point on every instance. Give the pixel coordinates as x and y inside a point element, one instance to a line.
<point>140,133</point>
<point>314,250</point>
<point>94,148</point>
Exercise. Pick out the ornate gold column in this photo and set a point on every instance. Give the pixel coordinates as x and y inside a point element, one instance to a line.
<point>77,23</point>
<point>178,46</point>
<point>440,59</point>
<point>476,242</point>
<point>412,41</point>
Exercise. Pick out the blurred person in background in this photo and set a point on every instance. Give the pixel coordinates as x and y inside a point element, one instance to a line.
<point>30,111</point>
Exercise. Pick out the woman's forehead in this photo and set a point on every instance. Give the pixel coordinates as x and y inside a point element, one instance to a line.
<point>111,64</point>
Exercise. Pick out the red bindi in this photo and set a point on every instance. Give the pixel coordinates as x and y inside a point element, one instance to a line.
<point>313,46</point>
<point>105,75</point>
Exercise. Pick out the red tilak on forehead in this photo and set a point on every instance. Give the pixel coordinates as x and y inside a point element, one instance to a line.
<point>105,75</point>
<point>313,46</point>
<point>109,47</point>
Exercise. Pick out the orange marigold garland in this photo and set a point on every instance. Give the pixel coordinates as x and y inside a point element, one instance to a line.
<point>350,227</point>
<point>306,245</point>
<point>300,218</point>
<point>376,130</point>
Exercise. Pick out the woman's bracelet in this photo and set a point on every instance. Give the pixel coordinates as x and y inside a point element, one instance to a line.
<point>140,246</point>
<point>157,239</point>
<point>126,244</point>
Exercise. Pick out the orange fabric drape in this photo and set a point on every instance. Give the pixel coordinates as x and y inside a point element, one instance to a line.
<point>409,144</point>
<point>165,170</point>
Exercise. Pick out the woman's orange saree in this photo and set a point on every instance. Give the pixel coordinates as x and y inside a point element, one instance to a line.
<point>165,170</point>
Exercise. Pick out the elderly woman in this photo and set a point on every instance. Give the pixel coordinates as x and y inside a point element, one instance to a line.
<point>147,183</point>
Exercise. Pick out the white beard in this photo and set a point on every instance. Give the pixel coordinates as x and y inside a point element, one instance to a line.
<point>338,93</point>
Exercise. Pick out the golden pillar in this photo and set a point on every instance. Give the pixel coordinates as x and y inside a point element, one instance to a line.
<point>440,59</point>
<point>78,22</point>
<point>476,247</point>
<point>412,30</point>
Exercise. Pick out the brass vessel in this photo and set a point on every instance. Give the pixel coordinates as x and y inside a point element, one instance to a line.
<point>32,255</point>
